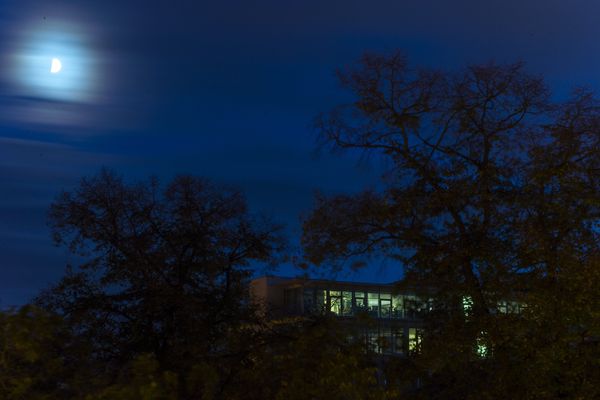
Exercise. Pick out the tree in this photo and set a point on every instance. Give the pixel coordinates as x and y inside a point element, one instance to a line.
<point>163,287</point>
<point>492,193</point>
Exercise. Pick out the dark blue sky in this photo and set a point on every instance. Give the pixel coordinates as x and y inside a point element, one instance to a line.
<point>227,90</point>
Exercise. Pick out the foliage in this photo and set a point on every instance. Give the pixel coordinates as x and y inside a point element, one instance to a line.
<point>36,351</point>
<point>142,380</point>
<point>312,358</point>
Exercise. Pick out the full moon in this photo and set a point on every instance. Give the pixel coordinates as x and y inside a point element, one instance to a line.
<point>56,66</point>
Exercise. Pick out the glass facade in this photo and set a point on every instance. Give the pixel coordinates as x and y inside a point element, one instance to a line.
<point>348,303</point>
<point>388,338</point>
<point>397,328</point>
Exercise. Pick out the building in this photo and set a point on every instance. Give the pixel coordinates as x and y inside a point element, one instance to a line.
<point>394,326</point>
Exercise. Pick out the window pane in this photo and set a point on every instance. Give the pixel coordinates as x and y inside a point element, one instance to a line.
<point>482,347</point>
<point>386,305</point>
<point>386,308</point>
<point>398,340</point>
<point>359,302</point>
<point>373,304</point>
<point>335,302</point>
<point>385,340</point>
<point>513,307</point>
<point>414,339</point>
<point>397,306</point>
<point>412,306</point>
<point>373,340</point>
<point>347,303</point>
<point>321,300</point>
<point>335,305</point>
<point>503,307</point>
<point>467,305</point>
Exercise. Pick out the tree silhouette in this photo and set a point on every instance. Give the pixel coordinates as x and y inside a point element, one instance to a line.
<point>492,194</point>
<point>165,276</point>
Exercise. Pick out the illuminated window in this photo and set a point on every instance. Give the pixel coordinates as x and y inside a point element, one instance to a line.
<point>429,304</point>
<point>412,306</point>
<point>414,340</point>
<point>502,307</point>
<point>397,306</point>
<point>509,307</point>
<point>335,302</point>
<point>467,305</point>
<point>359,302</point>
<point>347,303</point>
<point>386,305</point>
<point>373,304</point>
<point>514,307</point>
<point>482,348</point>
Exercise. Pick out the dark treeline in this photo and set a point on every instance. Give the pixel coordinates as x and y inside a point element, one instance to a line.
<point>492,192</point>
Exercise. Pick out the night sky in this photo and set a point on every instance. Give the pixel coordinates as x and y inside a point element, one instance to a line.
<point>226,90</point>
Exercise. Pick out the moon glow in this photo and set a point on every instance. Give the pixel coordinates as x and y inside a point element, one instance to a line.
<point>55,73</point>
<point>56,66</point>
<point>55,63</point>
